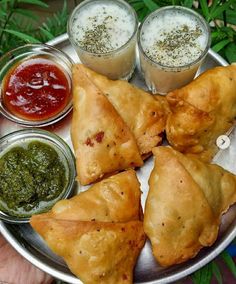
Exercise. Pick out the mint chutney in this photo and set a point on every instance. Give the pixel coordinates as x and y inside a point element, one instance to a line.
<point>31,178</point>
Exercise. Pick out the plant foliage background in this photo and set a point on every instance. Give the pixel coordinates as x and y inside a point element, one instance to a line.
<point>19,25</point>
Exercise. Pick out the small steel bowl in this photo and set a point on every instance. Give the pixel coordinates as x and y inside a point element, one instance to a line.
<point>11,58</point>
<point>25,136</point>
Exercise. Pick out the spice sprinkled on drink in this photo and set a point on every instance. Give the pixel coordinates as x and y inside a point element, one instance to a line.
<point>173,41</point>
<point>177,47</point>
<point>104,36</point>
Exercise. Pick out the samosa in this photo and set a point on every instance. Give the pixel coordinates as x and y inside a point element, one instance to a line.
<point>201,111</point>
<point>97,252</point>
<point>115,199</point>
<point>99,232</point>
<point>102,141</point>
<point>144,114</point>
<point>184,205</point>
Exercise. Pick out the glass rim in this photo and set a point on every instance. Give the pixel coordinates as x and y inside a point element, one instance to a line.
<point>28,51</point>
<point>83,3</point>
<point>60,145</point>
<point>188,65</point>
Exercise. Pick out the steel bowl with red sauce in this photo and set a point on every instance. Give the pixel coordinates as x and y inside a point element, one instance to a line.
<point>35,85</point>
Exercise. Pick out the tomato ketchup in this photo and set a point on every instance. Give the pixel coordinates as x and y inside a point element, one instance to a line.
<point>36,89</point>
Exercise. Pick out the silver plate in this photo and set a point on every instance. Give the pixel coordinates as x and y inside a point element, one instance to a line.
<point>32,247</point>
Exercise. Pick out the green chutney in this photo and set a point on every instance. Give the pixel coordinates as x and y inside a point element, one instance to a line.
<point>31,178</point>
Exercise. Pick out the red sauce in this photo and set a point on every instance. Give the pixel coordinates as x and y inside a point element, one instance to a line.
<point>36,89</point>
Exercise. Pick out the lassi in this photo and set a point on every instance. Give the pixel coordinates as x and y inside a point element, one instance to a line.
<point>104,36</point>
<point>173,41</point>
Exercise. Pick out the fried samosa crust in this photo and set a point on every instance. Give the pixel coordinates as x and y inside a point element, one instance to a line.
<point>144,114</point>
<point>201,111</point>
<point>115,199</point>
<point>96,252</point>
<point>102,141</point>
<point>184,205</point>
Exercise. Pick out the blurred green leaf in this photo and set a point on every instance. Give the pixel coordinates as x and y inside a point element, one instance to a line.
<point>205,9</point>
<point>151,5</point>
<point>204,275</point>
<point>187,3</point>
<point>23,36</point>
<point>26,13</point>
<point>220,45</point>
<point>134,1</point>
<point>219,9</point>
<point>214,4</point>
<point>216,272</point>
<point>11,2</point>
<point>47,34</point>
<point>2,13</point>
<point>143,13</point>
<point>56,24</point>
<point>220,33</point>
<point>229,262</point>
<point>138,6</point>
<point>230,16</point>
<point>34,2</point>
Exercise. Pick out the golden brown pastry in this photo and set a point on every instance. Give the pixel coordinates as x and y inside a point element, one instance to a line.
<point>115,199</point>
<point>102,141</point>
<point>184,205</point>
<point>94,251</point>
<point>98,232</point>
<point>201,111</point>
<point>144,114</point>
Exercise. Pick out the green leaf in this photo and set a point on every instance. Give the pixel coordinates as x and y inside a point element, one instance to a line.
<point>23,36</point>
<point>143,13</point>
<point>187,3</point>
<point>230,16</point>
<point>56,24</point>
<point>229,262</point>
<point>135,1</point>
<point>26,13</point>
<point>214,4</point>
<point>216,272</point>
<point>215,34</point>
<point>138,6</point>
<point>220,9</point>
<point>204,275</point>
<point>205,9</point>
<point>2,13</point>
<point>47,34</point>
<point>220,45</point>
<point>7,1</point>
<point>220,33</point>
<point>151,5</point>
<point>34,2</point>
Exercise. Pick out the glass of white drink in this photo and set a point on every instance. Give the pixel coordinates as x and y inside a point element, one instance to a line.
<point>104,33</point>
<point>173,41</point>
